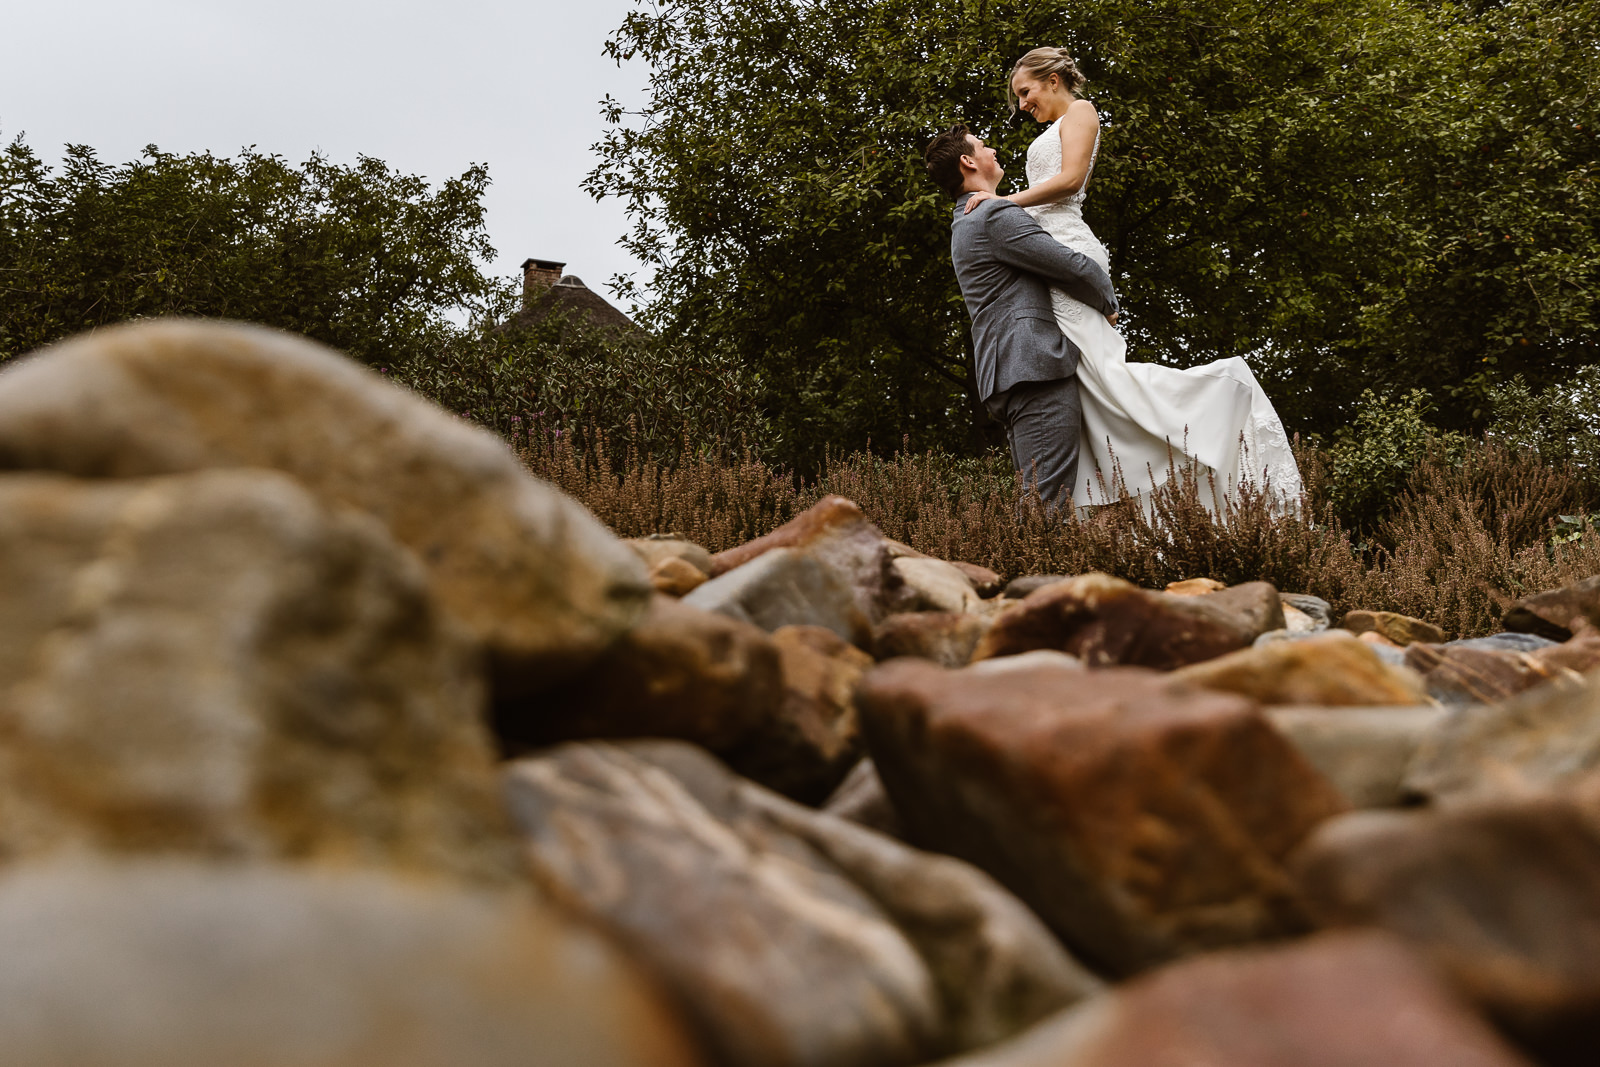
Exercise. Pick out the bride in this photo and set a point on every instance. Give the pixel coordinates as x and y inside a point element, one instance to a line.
<point>1142,419</point>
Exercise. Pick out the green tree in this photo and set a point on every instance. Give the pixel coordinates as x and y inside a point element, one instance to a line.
<point>1292,180</point>
<point>375,263</point>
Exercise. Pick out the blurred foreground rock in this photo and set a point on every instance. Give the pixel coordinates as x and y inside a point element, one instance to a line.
<point>1503,896</point>
<point>1341,1001</point>
<point>185,964</point>
<point>214,663</point>
<point>524,567</point>
<point>793,937</point>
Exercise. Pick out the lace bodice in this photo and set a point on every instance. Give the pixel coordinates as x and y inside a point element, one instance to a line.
<point>1063,220</point>
<point>1044,161</point>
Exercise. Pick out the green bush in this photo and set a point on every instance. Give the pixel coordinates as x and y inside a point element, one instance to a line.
<point>1373,457</point>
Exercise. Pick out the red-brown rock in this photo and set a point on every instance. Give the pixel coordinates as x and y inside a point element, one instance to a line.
<point>1503,896</point>
<point>948,638</point>
<point>684,673</point>
<point>1458,674</point>
<point>1345,1000</point>
<point>1141,817</point>
<point>807,747</point>
<point>1104,621</point>
<point>830,517</point>
<point>1557,613</point>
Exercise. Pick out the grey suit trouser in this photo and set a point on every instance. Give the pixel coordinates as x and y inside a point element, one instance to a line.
<point>1043,421</point>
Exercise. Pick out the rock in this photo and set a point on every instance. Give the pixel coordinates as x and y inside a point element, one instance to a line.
<point>676,577</point>
<point>836,534</point>
<point>861,799</point>
<point>1024,662</point>
<point>682,672</point>
<point>806,748</point>
<point>787,587</point>
<point>1456,675</point>
<point>944,637</point>
<point>1328,670</point>
<point>1319,610</point>
<point>1345,1000</point>
<point>1362,751</point>
<point>1544,740</point>
<point>215,664</point>
<point>1195,587</point>
<point>1402,630</point>
<point>1104,620</point>
<point>524,567</point>
<point>1296,621</point>
<point>984,581</point>
<point>1373,637</point>
<point>1557,613</point>
<point>1581,654</point>
<point>1142,818</point>
<point>658,548</point>
<point>1503,896</point>
<point>934,585</point>
<point>1028,584</point>
<point>790,936</point>
<point>1505,642</point>
<point>183,964</point>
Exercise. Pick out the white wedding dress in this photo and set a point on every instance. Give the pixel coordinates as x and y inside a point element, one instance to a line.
<point>1145,418</point>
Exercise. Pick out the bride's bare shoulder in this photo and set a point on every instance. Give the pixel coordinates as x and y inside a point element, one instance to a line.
<point>1079,126</point>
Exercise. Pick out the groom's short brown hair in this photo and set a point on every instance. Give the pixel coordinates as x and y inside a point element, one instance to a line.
<point>944,158</point>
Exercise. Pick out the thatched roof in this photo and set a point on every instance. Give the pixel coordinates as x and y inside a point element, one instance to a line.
<point>576,300</point>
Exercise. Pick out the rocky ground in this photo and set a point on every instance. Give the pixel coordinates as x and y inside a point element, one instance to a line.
<point>330,737</point>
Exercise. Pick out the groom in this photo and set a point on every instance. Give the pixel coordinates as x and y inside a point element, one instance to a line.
<point>1006,264</point>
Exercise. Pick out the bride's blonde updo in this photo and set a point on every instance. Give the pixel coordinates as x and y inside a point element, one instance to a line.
<point>1043,62</point>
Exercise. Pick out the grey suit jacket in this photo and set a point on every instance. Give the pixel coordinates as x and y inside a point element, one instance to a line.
<point>1006,264</point>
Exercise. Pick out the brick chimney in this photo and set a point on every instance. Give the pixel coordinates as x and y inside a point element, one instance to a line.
<point>537,276</point>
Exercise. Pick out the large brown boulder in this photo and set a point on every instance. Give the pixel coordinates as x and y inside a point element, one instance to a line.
<point>791,936</point>
<point>1504,896</point>
<point>1104,621</point>
<point>189,964</point>
<point>947,638</point>
<point>521,565</point>
<point>1142,818</point>
<point>1349,1000</point>
<point>216,664</point>
<point>1327,671</point>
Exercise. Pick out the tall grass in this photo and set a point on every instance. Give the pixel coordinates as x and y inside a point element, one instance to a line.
<point>1463,537</point>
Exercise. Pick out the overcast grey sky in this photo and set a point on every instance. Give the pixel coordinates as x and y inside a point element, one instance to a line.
<point>428,87</point>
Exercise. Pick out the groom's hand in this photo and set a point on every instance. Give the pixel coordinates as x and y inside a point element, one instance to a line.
<point>1112,318</point>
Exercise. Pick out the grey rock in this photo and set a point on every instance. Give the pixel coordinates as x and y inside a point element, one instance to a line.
<point>787,587</point>
<point>1320,610</point>
<point>185,964</point>
<point>215,664</point>
<point>934,585</point>
<point>1506,642</point>
<point>1363,751</point>
<point>522,566</point>
<point>861,799</point>
<point>792,936</point>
